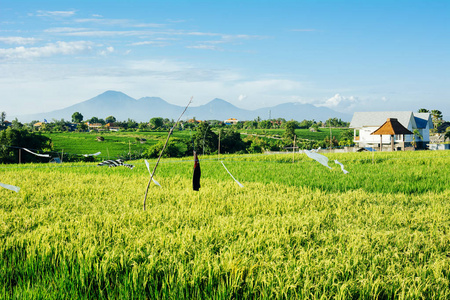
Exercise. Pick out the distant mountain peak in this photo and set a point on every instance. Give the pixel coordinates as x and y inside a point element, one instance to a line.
<point>122,106</point>
<point>218,101</point>
<point>113,95</point>
<point>110,93</point>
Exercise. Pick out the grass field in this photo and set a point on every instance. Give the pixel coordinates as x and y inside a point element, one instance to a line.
<point>115,144</point>
<point>301,133</point>
<point>295,231</point>
<point>120,144</point>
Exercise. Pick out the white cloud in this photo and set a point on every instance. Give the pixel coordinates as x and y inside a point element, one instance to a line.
<point>65,29</point>
<point>117,22</point>
<point>242,97</point>
<point>341,102</point>
<point>58,48</point>
<point>107,51</point>
<point>46,13</point>
<point>18,40</point>
<point>154,43</point>
<point>205,47</point>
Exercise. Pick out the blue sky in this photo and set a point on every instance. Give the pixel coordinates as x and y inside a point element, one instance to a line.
<point>346,55</point>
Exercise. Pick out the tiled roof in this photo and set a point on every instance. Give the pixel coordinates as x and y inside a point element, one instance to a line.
<point>377,118</point>
<point>422,119</point>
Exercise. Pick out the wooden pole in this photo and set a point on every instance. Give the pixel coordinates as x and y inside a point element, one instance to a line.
<point>381,142</point>
<point>330,136</point>
<point>20,156</point>
<point>293,150</point>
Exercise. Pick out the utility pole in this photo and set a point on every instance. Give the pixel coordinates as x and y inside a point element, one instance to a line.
<point>330,137</point>
<point>218,152</point>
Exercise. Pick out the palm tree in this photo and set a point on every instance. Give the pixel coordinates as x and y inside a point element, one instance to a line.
<point>447,135</point>
<point>436,116</point>
<point>416,136</point>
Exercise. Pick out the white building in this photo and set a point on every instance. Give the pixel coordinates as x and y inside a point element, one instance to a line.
<point>231,121</point>
<point>364,123</point>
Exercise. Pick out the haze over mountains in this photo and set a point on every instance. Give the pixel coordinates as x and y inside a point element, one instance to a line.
<point>122,107</point>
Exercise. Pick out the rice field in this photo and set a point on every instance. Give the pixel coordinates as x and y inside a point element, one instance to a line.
<point>296,230</point>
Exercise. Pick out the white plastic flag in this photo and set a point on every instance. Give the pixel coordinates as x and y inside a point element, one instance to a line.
<point>115,163</point>
<point>148,168</point>
<point>10,187</point>
<point>41,155</point>
<point>95,154</point>
<point>240,184</point>
<point>342,166</point>
<point>317,157</point>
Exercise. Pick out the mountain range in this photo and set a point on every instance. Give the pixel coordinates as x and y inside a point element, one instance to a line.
<point>122,107</point>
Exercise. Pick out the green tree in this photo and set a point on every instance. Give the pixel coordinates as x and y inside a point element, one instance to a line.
<point>346,137</point>
<point>110,119</point>
<point>82,127</point>
<point>416,136</point>
<point>423,110</point>
<point>289,132</point>
<point>173,149</point>
<point>77,117</point>
<point>265,124</point>
<point>94,120</point>
<point>306,124</point>
<point>157,122</point>
<point>16,124</point>
<point>250,125</point>
<point>205,139</point>
<point>230,141</point>
<point>436,116</point>
<point>447,134</point>
<point>132,123</point>
<point>12,138</point>
<point>60,125</point>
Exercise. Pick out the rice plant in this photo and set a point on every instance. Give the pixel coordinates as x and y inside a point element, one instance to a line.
<point>294,231</point>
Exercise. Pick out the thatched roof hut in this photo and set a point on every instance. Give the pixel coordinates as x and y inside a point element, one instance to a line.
<point>391,127</point>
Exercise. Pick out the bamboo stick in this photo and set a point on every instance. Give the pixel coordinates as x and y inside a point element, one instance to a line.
<point>160,154</point>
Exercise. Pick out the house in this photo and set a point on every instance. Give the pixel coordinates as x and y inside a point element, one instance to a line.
<point>71,126</point>
<point>395,130</point>
<point>38,125</point>
<point>94,126</point>
<point>112,127</point>
<point>231,121</point>
<point>365,123</point>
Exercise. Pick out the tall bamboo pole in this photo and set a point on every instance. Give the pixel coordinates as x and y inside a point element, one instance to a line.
<point>160,154</point>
